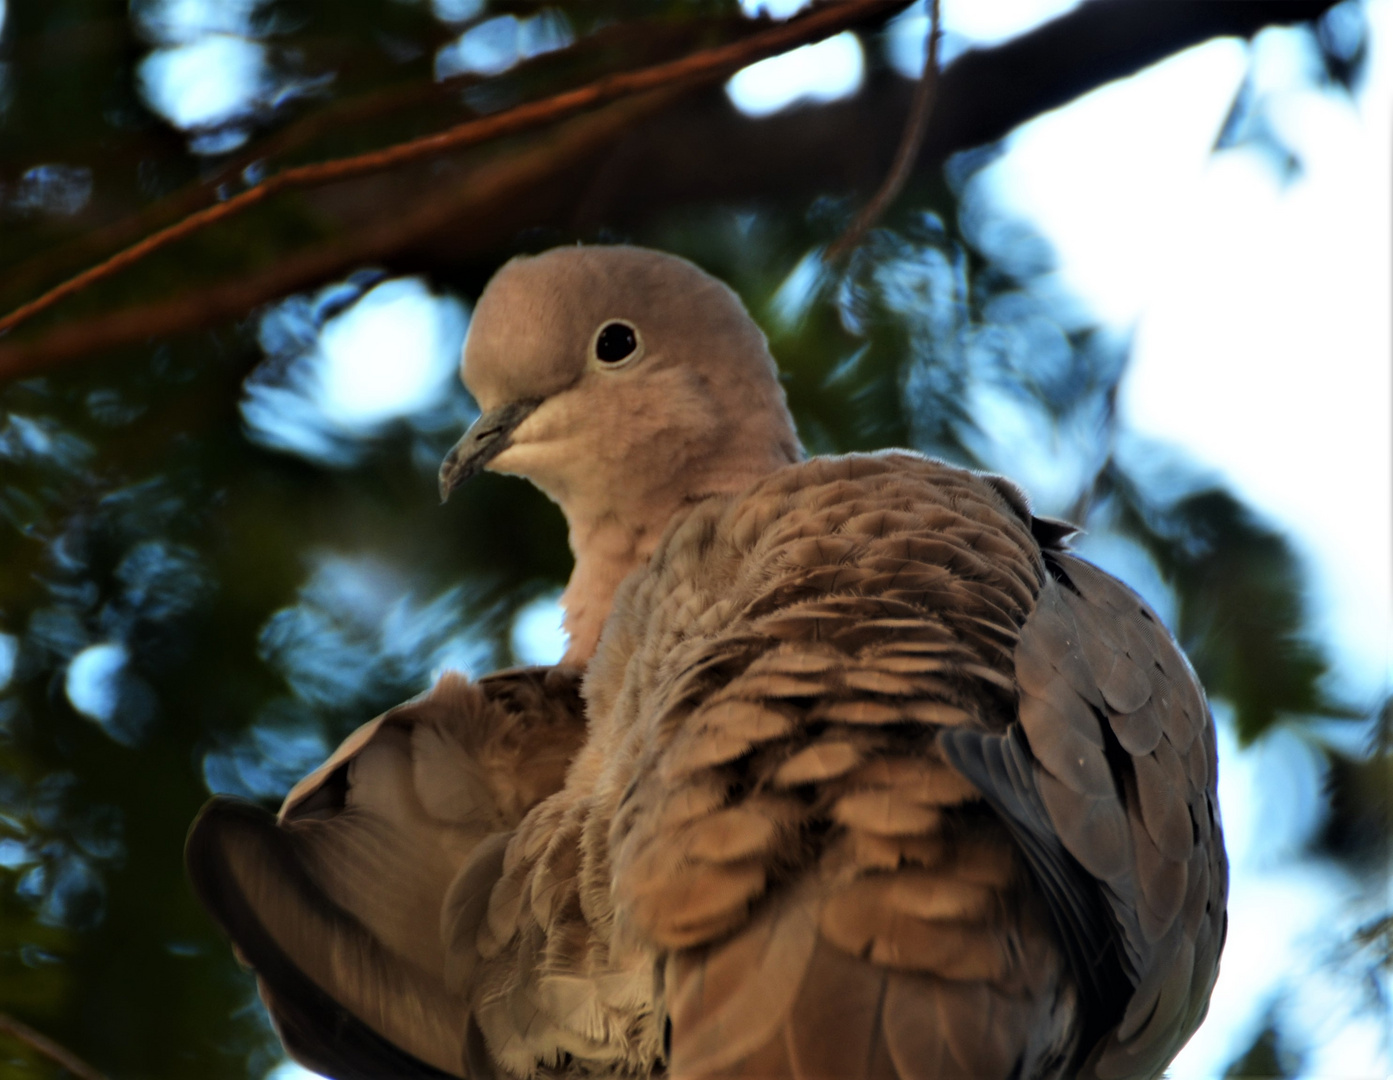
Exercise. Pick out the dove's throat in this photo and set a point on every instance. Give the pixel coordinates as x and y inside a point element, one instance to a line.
<point>610,543</point>
<point>604,558</point>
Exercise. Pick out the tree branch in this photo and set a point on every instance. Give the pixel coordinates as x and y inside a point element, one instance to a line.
<point>696,150</point>
<point>651,42</point>
<point>42,1044</point>
<point>908,151</point>
<point>981,97</point>
<point>511,177</point>
<point>988,92</point>
<point>699,67</point>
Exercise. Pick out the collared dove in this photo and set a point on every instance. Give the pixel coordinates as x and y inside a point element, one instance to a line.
<point>867,775</point>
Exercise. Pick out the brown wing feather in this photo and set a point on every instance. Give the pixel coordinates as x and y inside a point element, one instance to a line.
<point>874,787</point>
<point>835,899</point>
<point>337,904</point>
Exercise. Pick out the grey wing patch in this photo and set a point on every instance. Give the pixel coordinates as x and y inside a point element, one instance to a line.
<point>1171,896</point>
<point>1002,768</point>
<point>1107,781</point>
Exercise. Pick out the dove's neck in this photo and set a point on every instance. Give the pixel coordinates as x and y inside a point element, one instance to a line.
<point>607,551</point>
<point>613,539</point>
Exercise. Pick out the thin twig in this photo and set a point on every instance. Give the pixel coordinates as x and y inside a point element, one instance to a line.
<point>711,63</point>
<point>48,1048</point>
<point>99,242</point>
<point>186,200</point>
<point>478,196</point>
<point>913,138</point>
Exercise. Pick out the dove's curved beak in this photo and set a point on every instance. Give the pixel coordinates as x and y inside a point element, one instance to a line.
<point>486,438</point>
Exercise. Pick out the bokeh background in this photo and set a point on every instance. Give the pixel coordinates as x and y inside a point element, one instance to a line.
<point>1142,266</point>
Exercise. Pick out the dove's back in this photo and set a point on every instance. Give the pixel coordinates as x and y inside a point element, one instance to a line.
<point>878,782</point>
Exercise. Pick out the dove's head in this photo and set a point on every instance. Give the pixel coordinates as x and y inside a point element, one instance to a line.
<point>626,384</point>
<point>622,382</point>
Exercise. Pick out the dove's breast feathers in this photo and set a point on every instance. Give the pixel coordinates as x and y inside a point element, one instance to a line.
<point>873,786</point>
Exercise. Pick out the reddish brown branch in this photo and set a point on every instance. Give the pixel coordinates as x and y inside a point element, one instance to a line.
<point>907,152</point>
<point>42,1044</point>
<point>659,40</point>
<point>700,152</point>
<point>711,63</point>
<point>487,187</point>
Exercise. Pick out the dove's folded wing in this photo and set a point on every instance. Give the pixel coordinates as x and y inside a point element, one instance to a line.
<point>933,803</point>
<point>338,902</point>
<point>835,900</point>
<point>1108,781</point>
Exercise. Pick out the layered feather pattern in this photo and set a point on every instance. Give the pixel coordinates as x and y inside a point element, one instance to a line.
<point>781,809</point>
<point>874,779</point>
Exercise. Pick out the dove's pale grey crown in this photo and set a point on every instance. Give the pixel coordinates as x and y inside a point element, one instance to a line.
<point>852,770</point>
<point>534,324</point>
<point>702,396</point>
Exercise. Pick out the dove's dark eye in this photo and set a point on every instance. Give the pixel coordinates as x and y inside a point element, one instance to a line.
<point>616,341</point>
